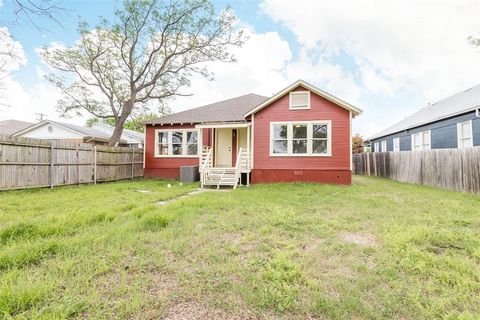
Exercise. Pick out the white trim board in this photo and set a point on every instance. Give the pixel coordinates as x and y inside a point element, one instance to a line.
<point>222,125</point>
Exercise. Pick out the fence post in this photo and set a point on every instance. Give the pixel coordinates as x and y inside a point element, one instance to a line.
<point>52,164</point>
<point>95,164</point>
<point>133,162</point>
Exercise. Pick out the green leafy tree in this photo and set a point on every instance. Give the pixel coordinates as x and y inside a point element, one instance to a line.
<point>147,55</point>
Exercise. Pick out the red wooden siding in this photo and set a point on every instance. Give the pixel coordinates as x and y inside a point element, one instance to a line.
<point>168,167</point>
<point>334,169</point>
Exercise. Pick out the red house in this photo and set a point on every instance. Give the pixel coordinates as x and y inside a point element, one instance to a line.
<point>299,134</point>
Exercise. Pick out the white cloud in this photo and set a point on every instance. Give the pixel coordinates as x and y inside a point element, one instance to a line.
<point>265,66</point>
<point>419,46</point>
<point>329,77</point>
<point>23,103</point>
<point>12,55</point>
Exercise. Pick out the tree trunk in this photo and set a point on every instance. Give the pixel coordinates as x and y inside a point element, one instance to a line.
<point>117,132</point>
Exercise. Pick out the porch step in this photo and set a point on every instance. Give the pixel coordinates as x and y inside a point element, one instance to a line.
<point>221,177</point>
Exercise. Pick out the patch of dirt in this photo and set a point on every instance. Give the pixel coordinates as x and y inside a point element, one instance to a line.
<point>360,239</point>
<point>198,311</point>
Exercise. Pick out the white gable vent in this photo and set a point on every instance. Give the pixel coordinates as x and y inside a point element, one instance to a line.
<point>300,100</point>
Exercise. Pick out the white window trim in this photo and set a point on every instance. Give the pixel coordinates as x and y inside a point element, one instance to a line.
<point>458,134</point>
<point>295,93</point>
<point>384,144</point>
<point>376,146</point>
<point>396,146</point>
<point>309,134</point>
<point>184,143</point>
<point>421,133</point>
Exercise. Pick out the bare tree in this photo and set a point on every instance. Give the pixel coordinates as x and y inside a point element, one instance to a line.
<point>29,10</point>
<point>148,54</point>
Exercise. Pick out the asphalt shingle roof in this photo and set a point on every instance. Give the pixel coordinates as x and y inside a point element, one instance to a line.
<point>459,103</point>
<point>231,110</point>
<point>9,127</point>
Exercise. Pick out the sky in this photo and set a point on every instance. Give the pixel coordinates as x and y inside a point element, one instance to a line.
<point>389,58</point>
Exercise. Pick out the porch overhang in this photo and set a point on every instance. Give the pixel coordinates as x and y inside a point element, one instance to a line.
<point>223,125</point>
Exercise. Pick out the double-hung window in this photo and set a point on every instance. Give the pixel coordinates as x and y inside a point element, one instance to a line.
<point>465,134</point>
<point>421,141</point>
<point>300,140</point>
<point>384,146</point>
<point>176,143</point>
<point>162,143</point>
<point>320,138</point>
<point>396,144</point>
<point>309,138</point>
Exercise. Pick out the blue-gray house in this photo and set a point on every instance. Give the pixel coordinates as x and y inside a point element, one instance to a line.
<point>451,123</point>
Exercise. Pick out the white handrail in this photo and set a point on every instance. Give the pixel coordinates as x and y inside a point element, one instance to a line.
<point>205,165</point>
<point>237,167</point>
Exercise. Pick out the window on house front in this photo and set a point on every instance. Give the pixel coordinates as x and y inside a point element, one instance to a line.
<point>396,144</point>
<point>176,143</point>
<point>300,100</point>
<point>376,147</point>
<point>320,138</point>
<point>464,132</point>
<point>303,138</point>
<point>163,142</point>
<point>384,146</point>
<point>421,141</point>
<point>300,138</point>
<point>192,143</point>
<point>280,139</point>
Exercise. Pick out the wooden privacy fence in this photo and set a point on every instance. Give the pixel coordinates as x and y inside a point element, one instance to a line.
<point>31,163</point>
<point>451,169</point>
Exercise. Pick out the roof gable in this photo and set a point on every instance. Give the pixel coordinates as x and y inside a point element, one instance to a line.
<point>300,83</point>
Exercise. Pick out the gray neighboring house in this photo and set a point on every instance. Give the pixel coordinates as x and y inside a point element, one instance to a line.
<point>450,123</point>
<point>9,127</point>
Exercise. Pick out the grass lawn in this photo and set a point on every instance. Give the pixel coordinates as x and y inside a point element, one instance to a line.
<point>377,249</point>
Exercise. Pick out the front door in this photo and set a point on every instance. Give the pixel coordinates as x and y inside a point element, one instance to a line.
<point>223,148</point>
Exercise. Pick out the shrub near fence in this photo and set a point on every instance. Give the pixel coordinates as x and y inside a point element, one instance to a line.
<point>30,163</point>
<point>451,169</point>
